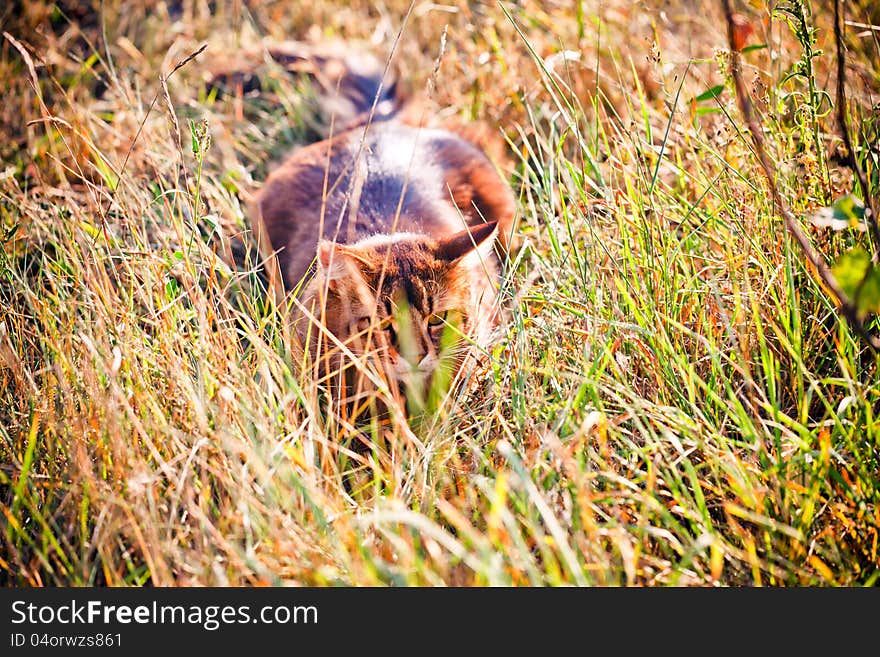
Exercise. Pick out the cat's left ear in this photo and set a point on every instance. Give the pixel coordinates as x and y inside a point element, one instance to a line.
<point>456,246</point>
<point>337,262</point>
<point>331,262</point>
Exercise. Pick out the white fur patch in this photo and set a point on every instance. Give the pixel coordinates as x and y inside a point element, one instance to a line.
<point>384,239</point>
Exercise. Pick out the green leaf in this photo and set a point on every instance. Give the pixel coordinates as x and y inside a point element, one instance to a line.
<point>851,269</point>
<point>172,289</point>
<point>849,208</point>
<point>869,296</point>
<point>859,279</point>
<point>709,94</point>
<point>757,46</point>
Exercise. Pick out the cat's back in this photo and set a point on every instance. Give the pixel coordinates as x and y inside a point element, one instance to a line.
<point>400,180</point>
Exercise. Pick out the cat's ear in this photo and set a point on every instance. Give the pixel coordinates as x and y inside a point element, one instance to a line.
<point>330,260</point>
<point>333,263</point>
<point>337,262</point>
<point>455,247</point>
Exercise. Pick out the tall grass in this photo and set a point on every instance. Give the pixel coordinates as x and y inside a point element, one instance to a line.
<point>674,401</point>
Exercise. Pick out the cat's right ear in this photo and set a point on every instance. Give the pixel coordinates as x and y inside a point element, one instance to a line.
<point>457,246</point>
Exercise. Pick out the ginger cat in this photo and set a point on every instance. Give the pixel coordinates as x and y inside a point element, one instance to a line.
<point>386,232</point>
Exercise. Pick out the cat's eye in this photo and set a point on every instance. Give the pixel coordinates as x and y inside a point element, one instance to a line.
<point>387,325</point>
<point>365,322</point>
<point>436,319</point>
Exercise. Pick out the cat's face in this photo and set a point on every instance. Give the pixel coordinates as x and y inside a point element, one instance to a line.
<point>404,301</point>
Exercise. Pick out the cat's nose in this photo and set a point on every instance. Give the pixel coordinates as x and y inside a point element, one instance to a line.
<point>428,363</point>
<point>426,350</point>
<point>407,372</point>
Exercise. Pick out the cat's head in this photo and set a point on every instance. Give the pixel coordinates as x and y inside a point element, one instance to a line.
<point>404,300</point>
